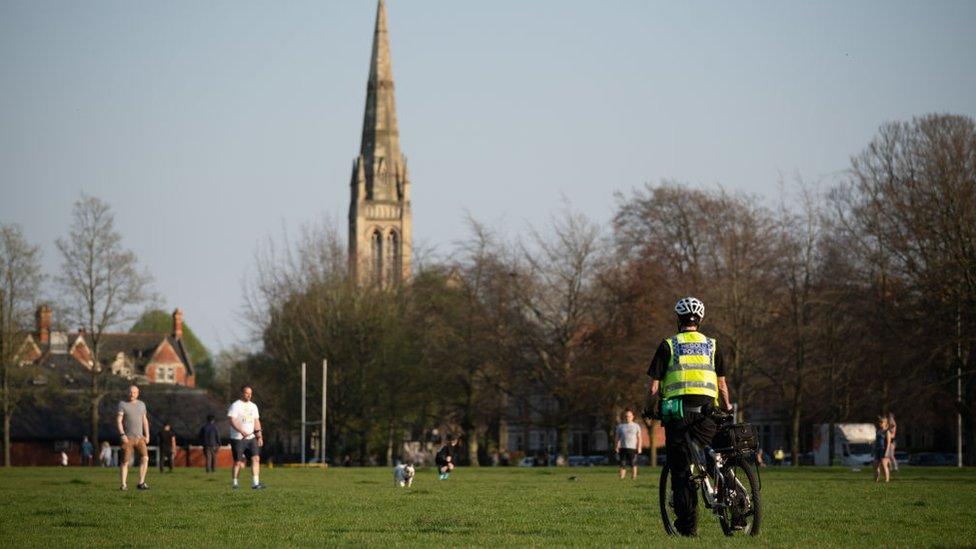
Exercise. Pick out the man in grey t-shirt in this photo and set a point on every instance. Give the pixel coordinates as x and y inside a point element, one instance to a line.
<point>133,426</point>
<point>629,443</point>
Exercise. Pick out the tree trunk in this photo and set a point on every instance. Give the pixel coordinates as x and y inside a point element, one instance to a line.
<point>390,442</point>
<point>472,443</point>
<point>795,435</point>
<point>562,443</point>
<point>7,414</point>
<point>96,400</point>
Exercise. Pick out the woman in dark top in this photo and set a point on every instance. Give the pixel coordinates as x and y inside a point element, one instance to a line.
<point>882,441</point>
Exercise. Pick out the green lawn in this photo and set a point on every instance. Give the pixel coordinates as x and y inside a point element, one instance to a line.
<point>311,507</point>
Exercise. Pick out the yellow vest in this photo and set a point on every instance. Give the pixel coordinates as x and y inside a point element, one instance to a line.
<point>692,367</point>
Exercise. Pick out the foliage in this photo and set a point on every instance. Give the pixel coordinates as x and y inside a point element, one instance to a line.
<point>20,280</point>
<point>820,302</point>
<point>156,320</point>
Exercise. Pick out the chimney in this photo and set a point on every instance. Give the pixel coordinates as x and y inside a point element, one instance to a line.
<point>43,319</point>
<point>178,323</point>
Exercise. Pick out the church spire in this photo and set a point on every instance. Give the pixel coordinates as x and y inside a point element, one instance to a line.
<point>380,221</point>
<point>381,138</point>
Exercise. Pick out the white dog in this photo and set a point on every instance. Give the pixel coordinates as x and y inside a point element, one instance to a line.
<point>403,475</point>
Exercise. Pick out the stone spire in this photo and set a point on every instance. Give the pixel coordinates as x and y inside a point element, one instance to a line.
<point>380,147</point>
<point>380,220</point>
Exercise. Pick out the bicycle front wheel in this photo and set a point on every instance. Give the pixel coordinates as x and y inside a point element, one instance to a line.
<point>742,499</point>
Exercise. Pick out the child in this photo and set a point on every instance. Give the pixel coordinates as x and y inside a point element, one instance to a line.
<point>445,458</point>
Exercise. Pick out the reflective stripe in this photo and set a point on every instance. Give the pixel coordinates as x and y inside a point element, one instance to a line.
<point>679,385</point>
<point>702,366</point>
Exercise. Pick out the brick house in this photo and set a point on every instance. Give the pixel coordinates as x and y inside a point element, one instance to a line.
<point>143,358</point>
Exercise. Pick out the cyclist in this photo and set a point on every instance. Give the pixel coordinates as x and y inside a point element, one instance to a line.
<point>688,371</point>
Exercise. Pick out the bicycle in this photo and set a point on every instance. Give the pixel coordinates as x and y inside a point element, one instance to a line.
<point>728,483</point>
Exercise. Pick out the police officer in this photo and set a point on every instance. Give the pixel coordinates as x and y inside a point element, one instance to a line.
<point>687,379</point>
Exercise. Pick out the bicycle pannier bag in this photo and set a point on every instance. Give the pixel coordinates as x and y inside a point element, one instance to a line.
<point>739,437</point>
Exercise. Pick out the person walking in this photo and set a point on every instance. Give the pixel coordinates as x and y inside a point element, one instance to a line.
<point>882,440</point>
<point>445,458</point>
<point>133,425</point>
<point>166,442</point>
<point>688,371</point>
<point>629,444</point>
<point>210,438</point>
<point>893,429</point>
<point>245,438</point>
<point>87,452</point>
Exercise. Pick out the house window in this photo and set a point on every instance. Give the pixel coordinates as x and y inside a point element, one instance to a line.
<point>165,374</point>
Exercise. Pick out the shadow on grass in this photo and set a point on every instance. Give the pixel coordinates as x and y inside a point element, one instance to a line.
<point>70,523</point>
<point>445,525</point>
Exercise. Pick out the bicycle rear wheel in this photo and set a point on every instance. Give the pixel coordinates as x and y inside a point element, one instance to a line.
<point>743,511</point>
<point>666,500</point>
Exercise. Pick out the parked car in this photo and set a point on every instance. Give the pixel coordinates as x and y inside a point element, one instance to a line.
<point>578,461</point>
<point>901,457</point>
<point>928,459</point>
<point>598,460</point>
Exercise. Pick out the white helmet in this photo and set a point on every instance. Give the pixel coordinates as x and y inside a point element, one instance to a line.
<point>690,306</point>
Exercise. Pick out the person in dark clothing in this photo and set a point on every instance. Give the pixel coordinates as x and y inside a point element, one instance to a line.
<point>687,367</point>
<point>166,441</point>
<point>210,438</point>
<point>445,458</point>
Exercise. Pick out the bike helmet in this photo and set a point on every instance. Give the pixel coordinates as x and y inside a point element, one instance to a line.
<point>690,306</point>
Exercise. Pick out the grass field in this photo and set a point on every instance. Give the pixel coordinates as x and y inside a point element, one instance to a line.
<point>311,507</point>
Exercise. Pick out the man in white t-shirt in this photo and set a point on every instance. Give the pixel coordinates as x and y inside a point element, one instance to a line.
<point>629,444</point>
<point>245,437</point>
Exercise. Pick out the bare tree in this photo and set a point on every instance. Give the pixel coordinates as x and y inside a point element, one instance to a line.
<point>560,295</point>
<point>800,240</point>
<point>100,282</point>
<point>20,279</point>
<point>910,204</point>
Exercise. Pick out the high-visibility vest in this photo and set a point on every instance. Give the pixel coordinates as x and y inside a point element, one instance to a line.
<point>692,367</point>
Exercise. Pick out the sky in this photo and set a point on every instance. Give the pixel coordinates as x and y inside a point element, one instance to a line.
<point>211,126</point>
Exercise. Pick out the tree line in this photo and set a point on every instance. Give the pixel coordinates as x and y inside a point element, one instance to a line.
<point>833,303</point>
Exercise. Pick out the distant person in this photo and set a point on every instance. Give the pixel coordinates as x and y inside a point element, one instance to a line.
<point>63,459</point>
<point>882,439</point>
<point>245,438</point>
<point>133,426</point>
<point>778,456</point>
<point>166,441</point>
<point>446,457</point>
<point>105,456</point>
<point>210,438</point>
<point>893,429</point>
<point>87,452</point>
<point>629,444</point>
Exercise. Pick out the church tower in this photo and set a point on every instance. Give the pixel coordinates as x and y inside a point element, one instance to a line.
<point>379,210</point>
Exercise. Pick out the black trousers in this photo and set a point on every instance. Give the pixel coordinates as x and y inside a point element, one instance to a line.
<point>211,454</point>
<point>678,434</point>
<point>165,458</point>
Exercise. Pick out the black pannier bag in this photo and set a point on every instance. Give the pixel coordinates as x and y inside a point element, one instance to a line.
<point>740,437</point>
